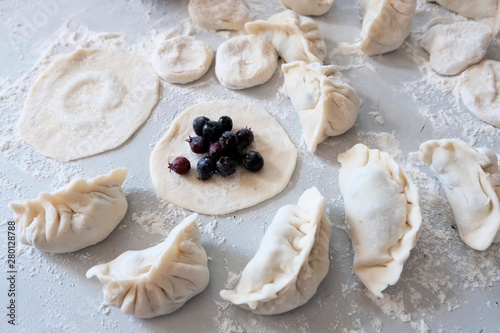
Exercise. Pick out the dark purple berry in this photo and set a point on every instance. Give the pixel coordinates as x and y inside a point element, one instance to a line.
<point>212,131</point>
<point>180,165</point>
<point>198,124</point>
<point>228,141</point>
<point>226,123</point>
<point>245,137</point>
<point>198,144</point>
<point>215,151</point>
<point>253,161</point>
<point>206,168</point>
<point>226,166</point>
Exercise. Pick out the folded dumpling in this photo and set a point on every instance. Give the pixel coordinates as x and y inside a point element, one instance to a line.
<point>383,215</point>
<point>471,181</point>
<point>160,279</point>
<point>78,215</point>
<point>326,102</point>
<point>294,37</point>
<point>291,261</point>
<point>386,24</point>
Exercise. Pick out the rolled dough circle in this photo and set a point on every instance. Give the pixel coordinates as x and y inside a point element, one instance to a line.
<point>219,195</point>
<point>88,102</point>
<point>219,14</point>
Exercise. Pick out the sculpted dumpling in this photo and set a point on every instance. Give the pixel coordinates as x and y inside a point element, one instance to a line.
<point>383,215</point>
<point>471,180</point>
<point>309,7</point>
<point>157,280</point>
<point>326,102</point>
<point>78,215</point>
<point>386,24</point>
<point>293,36</point>
<point>291,261</point>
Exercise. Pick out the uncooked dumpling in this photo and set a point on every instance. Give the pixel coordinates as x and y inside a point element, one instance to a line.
<point>471,180</point>
<point>479,91</point>
<point>182,59</point>
<point>474,9</point>
<point>88,102</point>
<point>219,14</point>
<point>386,24</point>
<point>245,61</point>
<point>78,215</point>
<point>383,215</point>
<point>223,195</point>
<point>157,280</point>
<point>326,102</point>
<point>293,36</point>
<point>454,47</point>
<point>291,261</point>
<point>309,7</point>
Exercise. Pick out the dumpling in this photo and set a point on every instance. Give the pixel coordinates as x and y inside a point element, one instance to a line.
<point>386,24</point>
<point>383,215</point>
<point>219,14</point>
<point>326,102</point>
<point>293,36</point>
<point>309,7</point>
<point>76,216</point>
<point>471,181</point>
<point>291,261</point>
<point>160,279</point>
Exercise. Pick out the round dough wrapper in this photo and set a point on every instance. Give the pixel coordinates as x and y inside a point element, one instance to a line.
<point>220,195</point>
<point>88,102</point>
<point>182,59</point>
<point>245,61</point>
<point>219,14</point>
<point>309,7</point>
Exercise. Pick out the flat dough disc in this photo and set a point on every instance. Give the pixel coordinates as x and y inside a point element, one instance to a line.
<point>88,102</point>
<point>219,14</point>
<point>220,195</point>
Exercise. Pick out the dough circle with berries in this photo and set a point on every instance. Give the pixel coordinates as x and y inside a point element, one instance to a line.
<point>223,195</point>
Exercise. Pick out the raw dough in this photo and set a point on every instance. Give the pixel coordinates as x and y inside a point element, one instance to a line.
<point>471,180</point>
<point>88,102</point>
<point>386,24</point>
<point>383,215</point>
<point>293,36</point>
<point>309,7</point>
<point>219,195</point>
<point>454,47</point>
<point>326,102</point>
<point>245,61</point>
<point>291,261</point>
<point>219,14</point>
<point>479,91</point>
<point>160,279</point>
<point>182,59</point>
<point>78,215</point>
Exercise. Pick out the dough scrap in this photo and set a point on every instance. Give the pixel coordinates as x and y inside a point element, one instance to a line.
<point>182,59</point>
<point>324,99</point>
<point>479,91</point>
<point>219,14</point>
<point>79,215</point>
<point>291,261</point>
<point>383,215</point>
<point>294,37</point>
<point>471,180</point>
<point>245,61</point>
<point>243,189</point>
<point>386,24</point>
<point>157,280</point>
<point>88,102</point>
<point>309,7</point>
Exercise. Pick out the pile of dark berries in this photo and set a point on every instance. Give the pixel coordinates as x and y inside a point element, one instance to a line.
<point>224,148</point>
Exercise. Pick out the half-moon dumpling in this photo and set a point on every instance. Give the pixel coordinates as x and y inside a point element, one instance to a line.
<point>160,279</point>
<point>291,261</point>
<point>78,215</point>
<point>386,24</point>
<point>383,215</point>
<point>293,36</point>
<point>471,180</point>
<point>309,7</point>
<point>326,102</point>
